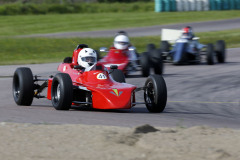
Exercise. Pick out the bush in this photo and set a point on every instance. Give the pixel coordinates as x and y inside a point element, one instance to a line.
<point>12,9</point>
<point>56,8</point>
<point>123,1</point>
<point>34,9</point>
<point>23,9</point>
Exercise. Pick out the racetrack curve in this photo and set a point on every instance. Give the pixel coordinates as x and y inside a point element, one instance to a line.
<point>197,95</point>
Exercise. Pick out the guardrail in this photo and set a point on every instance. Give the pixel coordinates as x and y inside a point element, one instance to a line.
<point>195,5</point>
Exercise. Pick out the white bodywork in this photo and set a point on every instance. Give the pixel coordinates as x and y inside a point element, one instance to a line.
<point>170,35</point>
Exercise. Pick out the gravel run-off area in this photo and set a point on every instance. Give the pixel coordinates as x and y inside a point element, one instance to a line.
<point>21,141</point>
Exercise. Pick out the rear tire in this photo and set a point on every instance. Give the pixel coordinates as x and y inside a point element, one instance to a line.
<point>220,51</point>
<point>62,91</point>
<point>210,54</point>
<point>155,94</point>
<point>156,61</point>
<point>23,86</point>
<point>145,64</point>
<point>117,75</point>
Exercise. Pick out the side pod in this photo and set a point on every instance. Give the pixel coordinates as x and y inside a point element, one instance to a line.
<point>49,89</point>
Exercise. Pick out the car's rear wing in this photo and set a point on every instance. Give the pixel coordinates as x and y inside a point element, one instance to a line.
<point>171,35</point>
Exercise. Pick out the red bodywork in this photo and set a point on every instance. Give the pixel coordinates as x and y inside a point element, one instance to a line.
<point>116,57</point>
<point>106,93</point>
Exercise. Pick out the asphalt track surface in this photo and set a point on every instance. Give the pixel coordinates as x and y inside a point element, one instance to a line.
<point>197,95</point>
<point>149,31</point>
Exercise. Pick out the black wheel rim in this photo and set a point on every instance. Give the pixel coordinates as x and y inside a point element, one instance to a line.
<point>16,87</point>
<point>149,93</point>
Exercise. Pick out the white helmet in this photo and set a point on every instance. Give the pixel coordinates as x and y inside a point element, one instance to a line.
<point>87,57</point>
<point>121,42</point>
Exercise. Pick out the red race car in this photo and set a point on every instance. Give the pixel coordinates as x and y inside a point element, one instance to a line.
<point>146,61</point>
<point>97,88</point>
<point>124,55</point>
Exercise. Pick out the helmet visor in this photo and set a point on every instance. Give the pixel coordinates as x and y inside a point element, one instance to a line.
<point>89,59</point>
<point>123,43</point>
<point>186,35</point>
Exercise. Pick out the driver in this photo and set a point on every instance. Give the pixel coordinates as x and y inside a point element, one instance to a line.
<point>87,58</point>
<point>187,33</point>
<point>122,42</point>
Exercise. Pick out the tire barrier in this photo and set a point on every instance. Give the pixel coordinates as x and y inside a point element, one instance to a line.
<point>195,5</point>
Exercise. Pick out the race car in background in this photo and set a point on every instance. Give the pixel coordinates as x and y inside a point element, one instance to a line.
<point>188,51</point>
<point>145,61</point>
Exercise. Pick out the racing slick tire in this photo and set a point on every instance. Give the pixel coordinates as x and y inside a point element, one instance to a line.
<point>165,46</point>
<point>118,75</point>
<point>150,47</point>
<point>156,61</point>
<point>144,61</point>
<point>220,51</point>
<point>62,91</point>
<point>23,86</point>
<point>155,93</point>
<point>210,54</point>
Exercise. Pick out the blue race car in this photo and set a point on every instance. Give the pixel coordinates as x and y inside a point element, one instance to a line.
<point>187,50</point>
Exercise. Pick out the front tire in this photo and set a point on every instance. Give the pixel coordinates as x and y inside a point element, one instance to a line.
<point>23,86</point>
<point>155,93</point>
<point>62,91</point>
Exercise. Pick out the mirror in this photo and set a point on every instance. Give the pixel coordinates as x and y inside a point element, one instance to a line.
<point>132,48</point>
<point>103,49</point>
<point>195,38</point>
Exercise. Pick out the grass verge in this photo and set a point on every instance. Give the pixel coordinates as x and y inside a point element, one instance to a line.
<point>36,24</point>
<point>44,50</point>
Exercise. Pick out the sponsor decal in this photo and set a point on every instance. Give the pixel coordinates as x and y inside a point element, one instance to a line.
<point>101,76</point>
<point>116,92</point>
<point>64,68</point>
